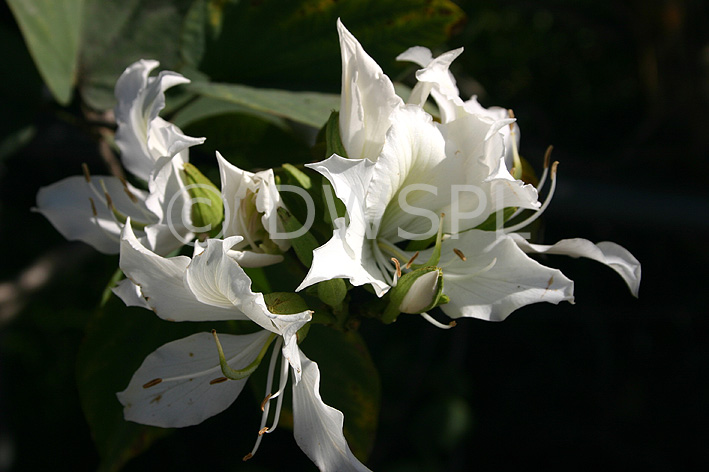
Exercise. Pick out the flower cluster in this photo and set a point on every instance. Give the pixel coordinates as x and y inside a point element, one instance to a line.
<point>429,214</point>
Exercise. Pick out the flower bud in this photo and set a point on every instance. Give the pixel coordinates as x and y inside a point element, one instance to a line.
<point>207,208</point>
<point>415,292</point>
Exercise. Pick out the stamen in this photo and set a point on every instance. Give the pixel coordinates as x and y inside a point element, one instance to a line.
<point>263,431</point>
<point>218,380</point>
<point>281,389</point>
<point>517,162</point>
<point>460,254</point>
<point>547,156</point>
<point>266,404</point>
<point>152,383</point>
<point>132,197</point>
<point>93,207</point>
<point>247,457</point>
<point>437,324</point>
<point>87,174</point>
<point>411,261</point>
<point>265,401</point>
<point>398,266</point>
<point>544,206</point>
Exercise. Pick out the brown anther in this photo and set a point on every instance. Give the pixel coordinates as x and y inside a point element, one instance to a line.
<point>547,156</point>
<point>93,207</point>
<point>132,197</point>
<point>247,457</point>
<point>152,383</point>
<point>263,431</point>
<point>553,169</point>
<point>460,254</point>
<point>265,400</point>
<point>109,202</point>
<point>411,261</point>
<point>511,114</point>
<point>218,380</point>
<point>398,266</point>
<point>87,175</point>
<point>452,324</point>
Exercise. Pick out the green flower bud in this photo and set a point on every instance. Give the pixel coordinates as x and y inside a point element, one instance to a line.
<point>207,209</point>
<point>415,292</point>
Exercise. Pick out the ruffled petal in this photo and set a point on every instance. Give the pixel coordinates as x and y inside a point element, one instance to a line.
<point>611,254</point>
<point>161,281</point>
<point>317,427</point>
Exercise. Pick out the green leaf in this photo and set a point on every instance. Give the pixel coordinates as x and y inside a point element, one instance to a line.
<point>117,341</point>
<point>116,34</point>
<point>51,29</point>
<point>349,381</point>
<point>294,44</point>
<point>309,108</point>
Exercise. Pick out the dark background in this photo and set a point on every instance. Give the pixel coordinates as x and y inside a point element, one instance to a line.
<point>620,89</point>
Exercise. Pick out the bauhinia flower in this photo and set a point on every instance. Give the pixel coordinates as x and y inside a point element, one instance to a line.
<point>186,381</point>
<point>451,177</point>
<point>252,201</point>
<point>94,208</point>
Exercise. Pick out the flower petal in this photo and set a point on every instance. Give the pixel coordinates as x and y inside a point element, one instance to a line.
<point>348,254</point>
<point>130,293</point>
<point>67,205</point>
<point>611,254</point>
<point>175,386</point>
<point>368,98</point>
<point>496,277</point>
<point>161,281</point>
<point>142,136</point>
<point>317,427</point>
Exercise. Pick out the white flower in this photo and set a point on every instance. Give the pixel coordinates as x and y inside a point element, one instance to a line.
<point>456,168</point>
<point>182,383</point>
<point>252,201</point>
<point>94,209</point>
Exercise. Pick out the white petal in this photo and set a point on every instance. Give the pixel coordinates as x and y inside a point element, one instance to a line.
<point>216,279</point>
<point>67,206</point>
<point>349,253</point>
<point>368,98</point>
<point>161,281</point>
<point>254,259</point>
<point>337,259</point>
<point>317,427</point>
<point>185,396</point>
<point>496,278</point>
<point>130,293</point>
<point>611,254</point>
<point>237,184</point>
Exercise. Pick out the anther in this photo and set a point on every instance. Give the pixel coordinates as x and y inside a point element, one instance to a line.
<point>547,155</point>
<point>109,202</point>
<point>460,254</point>
<point>398,266</point>
<point>218,380</point>
<point>553,169</point>
<point>247,457</point>
<point>93,207</point>
<point>265,400</point>
<point>411,261</point>
<point>132,197</point>
<point>263,431</point>
<point>152,383</point>
<point>87,175</point>
<point>511,114</point>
